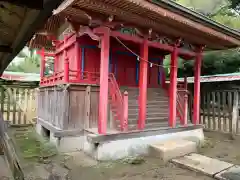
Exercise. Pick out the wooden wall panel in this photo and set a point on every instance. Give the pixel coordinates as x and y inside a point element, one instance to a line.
<point>94,101</point>
<point>76,109</point>
<point>52,106</point>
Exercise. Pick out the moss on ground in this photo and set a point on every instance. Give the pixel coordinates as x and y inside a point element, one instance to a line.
<point>31,146</point>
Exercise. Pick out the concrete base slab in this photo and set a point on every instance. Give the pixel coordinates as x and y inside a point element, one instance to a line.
<point>119,149</point>
<point>233,173</point>
<point>63,144</point>
<point>200,163</point>
<point>115,149</point>
<point>172,149</point>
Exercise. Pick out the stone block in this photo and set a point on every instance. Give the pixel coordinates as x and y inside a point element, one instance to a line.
<point>232,173</point>
<point>203,164</point>
<point>171,149</point>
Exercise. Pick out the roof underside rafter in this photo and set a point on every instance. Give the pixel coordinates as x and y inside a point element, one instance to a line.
<point>144,17</point>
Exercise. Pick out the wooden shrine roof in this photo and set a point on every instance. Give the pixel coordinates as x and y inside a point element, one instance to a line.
<point>165,18</point>
<point>20,76</point>
<point>18,22</point>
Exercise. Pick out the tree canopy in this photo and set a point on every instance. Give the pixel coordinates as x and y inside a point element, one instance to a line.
<point>226,12</point>
<point>29,63</point>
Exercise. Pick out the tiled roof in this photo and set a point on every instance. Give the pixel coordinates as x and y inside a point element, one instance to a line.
<point>20,76</point>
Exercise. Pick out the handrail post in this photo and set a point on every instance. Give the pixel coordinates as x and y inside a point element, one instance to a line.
<point>66,70</point>
<point>185,114</point>
<point>125,112</point>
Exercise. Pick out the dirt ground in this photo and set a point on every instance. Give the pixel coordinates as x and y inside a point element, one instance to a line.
<point>78,166</point>
<point>135,169</point>
<point>222,147</point>
<point>40,161</point>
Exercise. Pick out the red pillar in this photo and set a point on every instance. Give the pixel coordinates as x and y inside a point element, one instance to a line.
<point>173,88</point>
<point>66,62</point>
<point>124,125</point>
<point>77,59</point>
<point>143,85</point>
<point>103,95</point>
<point>185,107</point>
<point>197,73</point>
<point>42,65</point>
<point>163,75</point>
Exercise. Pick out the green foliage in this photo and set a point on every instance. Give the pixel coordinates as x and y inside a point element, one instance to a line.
<point>235,4</point>
<point>29,64</point>
<point>226,12</point>
<point>223,11</point>
<point>214,63</point>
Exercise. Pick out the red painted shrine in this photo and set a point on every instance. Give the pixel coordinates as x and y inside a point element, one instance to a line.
<point>109,57</point>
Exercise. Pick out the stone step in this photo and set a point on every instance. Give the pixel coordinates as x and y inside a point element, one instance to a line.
<point>148,93</point>
<point>132,127</point>
<point>162,109</point>
<point>159,103</point>
<point>172,149</point>
<point>149,115</point>
<point>137,90</point>
<point>199,163</point>
<point>149,98</point>
<point>149,119</point>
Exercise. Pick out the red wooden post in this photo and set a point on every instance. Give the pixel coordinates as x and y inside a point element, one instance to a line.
<point>66,62</point>
<point>77,59</point>
<point>163,75</point>
<point>66,70</point>
<point>103,94</point>
<point>42,65</point>
<point>197,73</point>
<point>173,88</point>
<point>143,85</point>
<point>185,115</point>
<point>125,112</point>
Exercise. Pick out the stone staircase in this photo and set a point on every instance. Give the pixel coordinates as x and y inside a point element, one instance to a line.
<point>157,108</point>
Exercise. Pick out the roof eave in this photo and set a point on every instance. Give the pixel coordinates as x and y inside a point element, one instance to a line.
<point>40,18</point>
<point>197,17</point>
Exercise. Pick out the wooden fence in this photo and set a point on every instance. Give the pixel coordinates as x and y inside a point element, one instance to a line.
<point>220,111</point>
<point>18,104</point>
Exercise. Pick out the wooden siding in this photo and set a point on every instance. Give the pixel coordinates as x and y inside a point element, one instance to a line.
<point>69,106</point>
<point>220,111</point>
<point>18,104</point>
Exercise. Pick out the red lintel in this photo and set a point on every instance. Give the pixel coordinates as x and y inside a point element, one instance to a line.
<point>70,40</point>
<point>158,45</point>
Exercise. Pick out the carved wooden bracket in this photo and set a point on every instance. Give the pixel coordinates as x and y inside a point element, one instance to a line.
<point>86,30</point>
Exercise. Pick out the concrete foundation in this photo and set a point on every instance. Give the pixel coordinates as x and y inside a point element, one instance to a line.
<point>63,144</point>
<point>120,149</point>
<point>117,149</point>
<point>172,149</point>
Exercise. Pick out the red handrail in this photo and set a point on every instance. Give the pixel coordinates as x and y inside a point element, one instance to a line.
<point>119,102</point>
<point>182,102</point>
<point>182,105</point>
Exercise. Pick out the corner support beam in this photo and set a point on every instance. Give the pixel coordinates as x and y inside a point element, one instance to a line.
<point>104,71</point>
<point>197,74</point>
<point>173,87</point>
<point>143,84</point>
